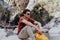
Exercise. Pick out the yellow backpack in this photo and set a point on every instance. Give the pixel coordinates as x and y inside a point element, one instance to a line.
<point>41,37</point>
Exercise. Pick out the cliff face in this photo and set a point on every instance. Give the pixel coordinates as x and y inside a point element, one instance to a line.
<point>16,3</point>
<point>15,6</point>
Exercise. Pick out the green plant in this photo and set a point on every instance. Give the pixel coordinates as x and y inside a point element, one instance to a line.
<point>40,14</point>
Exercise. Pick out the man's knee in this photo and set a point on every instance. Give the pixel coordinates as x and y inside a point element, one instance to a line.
<point>30,32</point>
<point>28,26</point>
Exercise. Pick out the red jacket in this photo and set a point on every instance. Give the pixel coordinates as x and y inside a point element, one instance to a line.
<point>21,25</point>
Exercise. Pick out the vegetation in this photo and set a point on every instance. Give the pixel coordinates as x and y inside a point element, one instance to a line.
<point>5,14</point>
<point>40,14</point>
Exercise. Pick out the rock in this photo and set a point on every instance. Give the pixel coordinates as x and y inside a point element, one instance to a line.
<point>2,34</point>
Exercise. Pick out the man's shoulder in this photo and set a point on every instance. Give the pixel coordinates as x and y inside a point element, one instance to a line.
<point>21,17</point>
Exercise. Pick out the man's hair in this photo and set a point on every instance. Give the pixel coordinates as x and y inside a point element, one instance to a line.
<point>24,11</point>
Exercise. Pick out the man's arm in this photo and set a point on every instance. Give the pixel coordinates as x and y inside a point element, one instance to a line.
<point>38,24</point>
<point>30,24</point>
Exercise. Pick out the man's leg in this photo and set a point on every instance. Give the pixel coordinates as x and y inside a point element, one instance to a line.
<point>30,33</point>
<point>27,30</point>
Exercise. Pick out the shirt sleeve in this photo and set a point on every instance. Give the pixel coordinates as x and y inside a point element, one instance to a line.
<point>31,20</point>
<point>19,27</point>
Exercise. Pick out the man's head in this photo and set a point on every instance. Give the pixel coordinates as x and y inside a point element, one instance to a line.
<point>27,13</point>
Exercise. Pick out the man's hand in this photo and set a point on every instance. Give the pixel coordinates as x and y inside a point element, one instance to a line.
<point>39,32</point>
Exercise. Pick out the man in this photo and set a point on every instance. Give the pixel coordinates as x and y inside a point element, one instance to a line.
<point>26,26</point>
